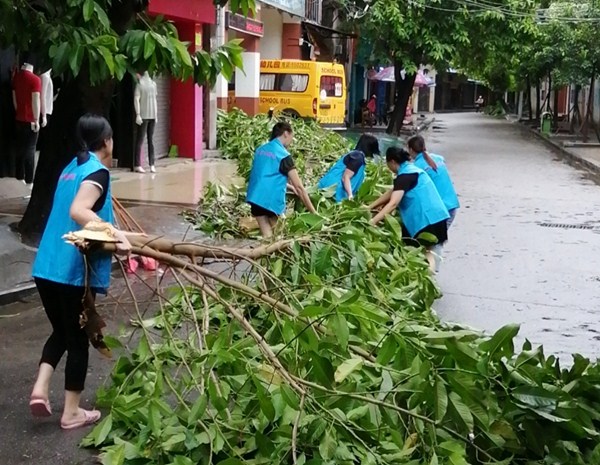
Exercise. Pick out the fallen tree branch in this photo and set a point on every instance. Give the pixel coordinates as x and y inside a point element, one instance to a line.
<point>194,250</point>
<point>166,258</point>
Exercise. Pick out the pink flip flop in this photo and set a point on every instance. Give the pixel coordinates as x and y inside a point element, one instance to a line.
<point>40,407</point>
<point>89,418</point>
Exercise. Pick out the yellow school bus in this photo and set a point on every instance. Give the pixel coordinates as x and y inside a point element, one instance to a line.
<point>307,89</point>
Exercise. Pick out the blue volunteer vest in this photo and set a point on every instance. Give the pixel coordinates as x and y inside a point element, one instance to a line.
<point>335,174</point>
<point>58,261</point>
<point>422,205</point>
<point>441,179</point>
<point>267,186</point>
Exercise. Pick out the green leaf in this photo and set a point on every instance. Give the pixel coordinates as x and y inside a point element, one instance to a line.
<point>357,413</point>
<point>440,399</point>
<point>102,17</point>
<point>290,396</point>
<point>434,459</point>
<point>182,460</point>
<point>328,446</point>
<point>88,10</point>
<point>198,409</point>
<point>75,59</point>
<point>149,46</point>
<point>266,405</point>
<point>108,59</point>
<point>231,461</point>
<point>103,430</point>
<point>341,330</point>
<point>388,350</point>
<point>501,343</point>
<point>462,414</point>
<point>113,455</point>
<point>346,368</point>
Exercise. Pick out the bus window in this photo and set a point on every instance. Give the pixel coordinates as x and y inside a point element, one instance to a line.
<point>332,85</point>
<point>267,82</point>
<point>293,82</point>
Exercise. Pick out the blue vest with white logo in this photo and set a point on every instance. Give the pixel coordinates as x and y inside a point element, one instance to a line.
<point>335,175</point>
<point>58,261</point>
<point>441,179</point>
<point>267,186</point>
<point>422,205</point>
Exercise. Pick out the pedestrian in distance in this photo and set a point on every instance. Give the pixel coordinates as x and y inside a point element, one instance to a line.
<point>479,104</point>
<point>348,173</point>
<point>421,209</point>
<point>82,195</point>
<point>272,168</point>
<point>435,166</point>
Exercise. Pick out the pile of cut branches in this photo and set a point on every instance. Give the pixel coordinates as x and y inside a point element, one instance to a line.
<point>239,135</point>
<point>322,349</point>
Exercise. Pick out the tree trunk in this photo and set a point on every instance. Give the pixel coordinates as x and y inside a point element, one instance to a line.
<point>576,118</point>
<point>529,105</point>
<point>404,89</point>
<point>555,114</point>
<point>76,98</point>
<point>589,116</point>
<point>538,100</point>
<point>549,92</point>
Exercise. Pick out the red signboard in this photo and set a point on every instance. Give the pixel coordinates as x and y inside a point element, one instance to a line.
<point>199,11</point>
<point>243,24</point>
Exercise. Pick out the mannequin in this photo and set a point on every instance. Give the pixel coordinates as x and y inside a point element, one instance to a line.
<point>145,105</point>
<point>27,88</point>
<point>47,97</point>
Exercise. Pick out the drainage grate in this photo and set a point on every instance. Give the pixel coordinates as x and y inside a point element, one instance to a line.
<point>566,226</point>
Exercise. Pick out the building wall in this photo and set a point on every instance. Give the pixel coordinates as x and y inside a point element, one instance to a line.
<point>271,43</point>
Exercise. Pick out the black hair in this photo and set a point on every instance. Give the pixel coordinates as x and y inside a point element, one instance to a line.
<point>397,154</point>
<point>417,144</point>
<point>92,132</point>
<point>368,144</point>
<point>279,129</point>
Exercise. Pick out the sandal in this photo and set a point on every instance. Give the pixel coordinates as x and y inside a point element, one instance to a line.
<point>89,418</point>
<point>40,407</point>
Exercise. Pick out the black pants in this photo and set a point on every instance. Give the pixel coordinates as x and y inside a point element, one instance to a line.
<point>146,128</point>
<point>63,306</point>
<point>25,141</point>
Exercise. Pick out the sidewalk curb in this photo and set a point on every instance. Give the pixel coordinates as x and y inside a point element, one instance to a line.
<point>571,158</point>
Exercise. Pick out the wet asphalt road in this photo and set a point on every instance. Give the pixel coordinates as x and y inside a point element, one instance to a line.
<point>502,266</point>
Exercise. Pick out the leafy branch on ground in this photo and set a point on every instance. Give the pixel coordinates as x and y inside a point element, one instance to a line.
<point>326,351</point>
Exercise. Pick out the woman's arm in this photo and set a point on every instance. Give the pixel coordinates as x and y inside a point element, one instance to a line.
<point>346,177</point>
<point>395,198</point>
<point>295,181</point>
<point>385,198</point>
<point>82,212</point>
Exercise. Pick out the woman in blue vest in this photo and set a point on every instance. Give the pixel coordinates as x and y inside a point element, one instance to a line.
<point>420,206</point>
<point>82,195</point>
<point>348,173</point>
<point>272,168</point>
<point>435,166</point>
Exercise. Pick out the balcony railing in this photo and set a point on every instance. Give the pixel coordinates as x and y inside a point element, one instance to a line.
<point>314,10</point>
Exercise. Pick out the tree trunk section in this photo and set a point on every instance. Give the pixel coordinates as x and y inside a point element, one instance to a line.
<point>576,118</point>
<point>76,98</point>
<point>538,100</point>
<point>555,114</point>
<point>404,89</point>
<point>529,105</point>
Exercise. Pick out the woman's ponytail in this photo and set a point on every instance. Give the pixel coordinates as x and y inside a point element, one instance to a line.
<point>417,145</point>
<point>429,161</point>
